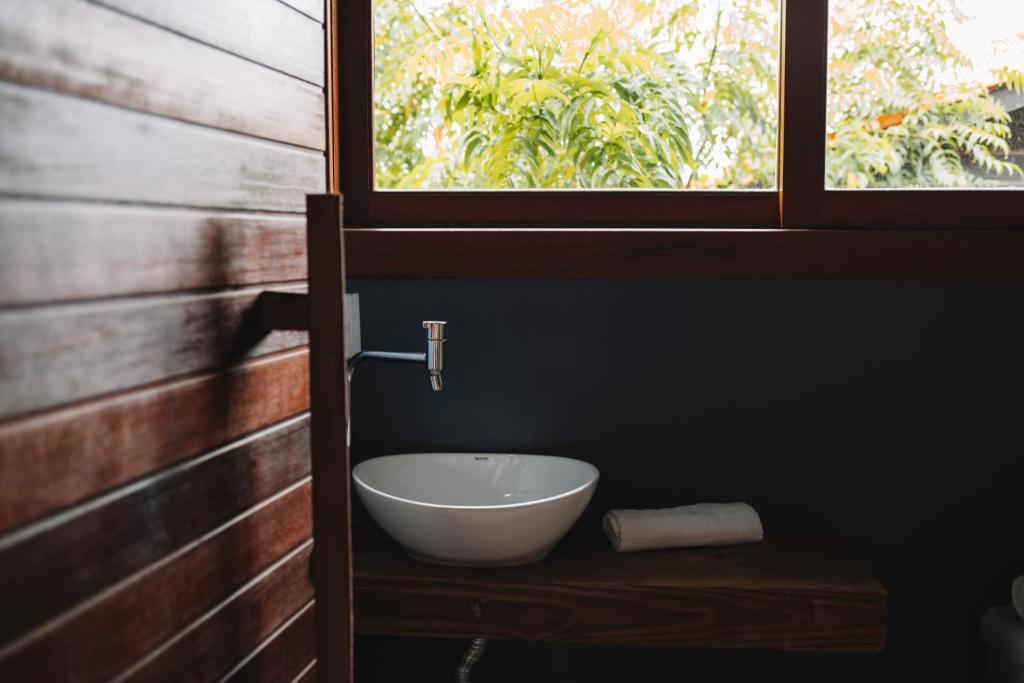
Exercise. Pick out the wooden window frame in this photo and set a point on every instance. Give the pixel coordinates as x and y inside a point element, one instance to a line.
<point>800,230</point>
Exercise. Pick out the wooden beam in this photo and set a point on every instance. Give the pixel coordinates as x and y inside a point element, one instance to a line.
<point>332,561</point>
<point>786,593</point>
<point>980,255</point>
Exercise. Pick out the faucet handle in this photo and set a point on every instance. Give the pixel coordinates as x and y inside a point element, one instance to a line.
<point>435,329</point>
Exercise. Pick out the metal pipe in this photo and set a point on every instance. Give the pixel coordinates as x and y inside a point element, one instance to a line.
<point>392,356</point>
<point>469,659</point>
<point>433,357</point>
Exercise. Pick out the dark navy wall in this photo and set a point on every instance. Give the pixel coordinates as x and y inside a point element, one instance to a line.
<point>890,413</point>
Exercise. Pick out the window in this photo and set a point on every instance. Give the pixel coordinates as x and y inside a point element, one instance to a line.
<point>575,94</point>
<point>670,115</point>
<point>925,94</point>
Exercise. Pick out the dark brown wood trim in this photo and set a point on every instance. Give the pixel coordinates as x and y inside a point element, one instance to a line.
<point>108,634</point>
<point>590,208</point>
<point>355,76</point>
<point>90,548</point>
<point>985,255</point>
<point>932,209</point>
<point>796,592</point>
<point>802,83</point>
<point>332,562</point>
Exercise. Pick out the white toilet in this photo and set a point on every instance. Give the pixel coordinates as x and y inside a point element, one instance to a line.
<point>1003,630</point>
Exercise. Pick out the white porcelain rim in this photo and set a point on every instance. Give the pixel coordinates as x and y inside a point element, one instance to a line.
<point>363,484</point>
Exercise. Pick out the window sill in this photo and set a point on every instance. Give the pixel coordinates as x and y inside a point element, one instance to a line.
<point>969,255</point>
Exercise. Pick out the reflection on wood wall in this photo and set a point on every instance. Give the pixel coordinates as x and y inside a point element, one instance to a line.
<point>154,446</point>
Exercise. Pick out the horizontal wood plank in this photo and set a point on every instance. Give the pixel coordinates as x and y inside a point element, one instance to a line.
<point>981,255</point>
<point>117,629</point>
<point>59,251</point>
<point>82,49</point>
<point>53,460</point>
<point>57,355</point>
<point>89,150</point>
<point>285,655</point>
<point>311,8</point>
<point>50,567</point>
<point>211,646</point>
<point>786,593</point>
<point>264,31</point>
<point>934,209</point>
<point>579,208</point>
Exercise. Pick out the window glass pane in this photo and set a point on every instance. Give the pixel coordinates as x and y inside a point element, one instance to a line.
<point>925,94</point>
<point>575,94</point>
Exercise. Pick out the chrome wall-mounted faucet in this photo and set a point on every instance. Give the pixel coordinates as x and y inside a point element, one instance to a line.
<point>433,358</point>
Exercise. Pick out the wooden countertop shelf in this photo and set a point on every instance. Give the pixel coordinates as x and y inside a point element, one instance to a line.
<point>793,592</point>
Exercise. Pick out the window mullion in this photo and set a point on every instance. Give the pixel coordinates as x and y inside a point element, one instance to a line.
<point>804,67</point>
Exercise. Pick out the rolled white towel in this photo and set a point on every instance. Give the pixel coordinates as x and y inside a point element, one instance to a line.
<point>686,526</point>
<point>1017,593</point>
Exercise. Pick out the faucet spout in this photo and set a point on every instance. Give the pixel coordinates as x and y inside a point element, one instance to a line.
<point>433,358</point>
<point>435,352</point>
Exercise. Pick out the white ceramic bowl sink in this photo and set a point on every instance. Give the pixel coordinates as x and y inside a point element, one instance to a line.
<point>475,509</point>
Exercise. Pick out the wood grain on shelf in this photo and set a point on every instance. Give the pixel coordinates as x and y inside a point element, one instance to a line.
<point>152,606</point>
<point>786,593</point>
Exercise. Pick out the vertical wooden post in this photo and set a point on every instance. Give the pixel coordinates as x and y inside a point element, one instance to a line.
<point>332,95</point>
<point>802,126</point>
<point>328,388</point>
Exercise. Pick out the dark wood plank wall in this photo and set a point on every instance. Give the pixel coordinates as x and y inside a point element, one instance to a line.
<point>155,498</point>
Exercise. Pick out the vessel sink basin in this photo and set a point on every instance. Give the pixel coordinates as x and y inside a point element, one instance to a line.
<point>475,509</point>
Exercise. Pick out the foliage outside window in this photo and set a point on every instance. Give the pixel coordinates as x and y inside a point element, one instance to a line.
<point>678,95</point>
<point>925,93</point>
